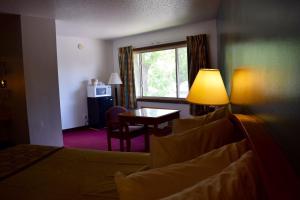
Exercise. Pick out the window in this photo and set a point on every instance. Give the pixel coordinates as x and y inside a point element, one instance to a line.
<point>161,73</point>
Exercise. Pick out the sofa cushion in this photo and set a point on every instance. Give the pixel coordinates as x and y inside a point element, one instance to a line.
<point>190,144</point>
<point>181,125</point>
<point>161,182</point>
<point>238,181</point>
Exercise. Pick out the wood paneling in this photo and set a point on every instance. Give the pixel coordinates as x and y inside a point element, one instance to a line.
<point>11,54</point>
<point>264,36</point>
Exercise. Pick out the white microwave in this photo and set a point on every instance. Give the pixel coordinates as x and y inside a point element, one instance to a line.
<point>98,90</point>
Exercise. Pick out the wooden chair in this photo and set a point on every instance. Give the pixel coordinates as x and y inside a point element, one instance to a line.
<point>116,129</point>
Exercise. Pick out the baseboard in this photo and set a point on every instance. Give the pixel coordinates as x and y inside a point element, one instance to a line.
<point>75,128</point>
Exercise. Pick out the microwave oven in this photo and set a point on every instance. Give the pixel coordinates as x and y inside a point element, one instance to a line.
<point>98,90</point>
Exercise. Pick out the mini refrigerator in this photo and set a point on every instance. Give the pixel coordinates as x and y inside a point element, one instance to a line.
<point>97,106</point>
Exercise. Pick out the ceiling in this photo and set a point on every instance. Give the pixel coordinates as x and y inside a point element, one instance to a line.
<point>109,19</point>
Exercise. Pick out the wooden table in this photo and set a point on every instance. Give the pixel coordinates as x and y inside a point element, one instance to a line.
<point>149,116</point>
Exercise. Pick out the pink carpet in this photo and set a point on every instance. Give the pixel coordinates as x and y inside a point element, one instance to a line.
<point>96,139</point>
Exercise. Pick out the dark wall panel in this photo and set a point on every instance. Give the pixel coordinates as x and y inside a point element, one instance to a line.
<point>263,38</point>
<point>11,55</point>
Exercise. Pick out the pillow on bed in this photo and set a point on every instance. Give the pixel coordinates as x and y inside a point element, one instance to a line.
<point>238,181</point>
<point>161,182</point>
<point>190,144</point>
<point>180,125</point>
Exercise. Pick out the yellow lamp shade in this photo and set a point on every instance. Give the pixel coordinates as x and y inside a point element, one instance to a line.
<point>208,89</point>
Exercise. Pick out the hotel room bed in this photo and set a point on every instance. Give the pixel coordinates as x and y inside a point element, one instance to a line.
<point>60,173</point>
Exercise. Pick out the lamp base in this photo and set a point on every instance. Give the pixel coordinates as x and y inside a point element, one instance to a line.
<point>116,96</point>
<point>208,109</point>
<point>199,110</point>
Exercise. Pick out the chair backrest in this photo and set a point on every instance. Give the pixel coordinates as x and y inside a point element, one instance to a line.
<point>111,116</point>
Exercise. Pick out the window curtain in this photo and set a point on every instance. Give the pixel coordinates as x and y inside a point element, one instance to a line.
<point>128,98</point>
<point>197,53</point>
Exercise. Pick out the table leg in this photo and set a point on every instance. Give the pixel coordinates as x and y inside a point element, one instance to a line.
<point>155,129</point>
<point>128,144</point>
<point>147,140</point>
<point>121,144</point>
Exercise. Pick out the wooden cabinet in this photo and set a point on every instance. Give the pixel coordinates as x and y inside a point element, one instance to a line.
<point>97,106</point>
<point>5,118</point>
<point>5,129</point>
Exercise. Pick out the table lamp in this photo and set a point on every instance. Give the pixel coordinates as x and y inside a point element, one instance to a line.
<point>115,79</point>
<point>208,89</point>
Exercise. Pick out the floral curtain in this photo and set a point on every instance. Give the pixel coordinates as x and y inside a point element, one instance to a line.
<point>128,98</point>
<point>197,52</point>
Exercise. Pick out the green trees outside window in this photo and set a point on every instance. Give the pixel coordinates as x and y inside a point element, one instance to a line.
<point>161,73</point>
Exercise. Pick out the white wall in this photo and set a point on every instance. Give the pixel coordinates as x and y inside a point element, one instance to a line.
<point>166,36</point>
<point>41,80</point>
<point>170,35</point>
<point>75,67</point>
